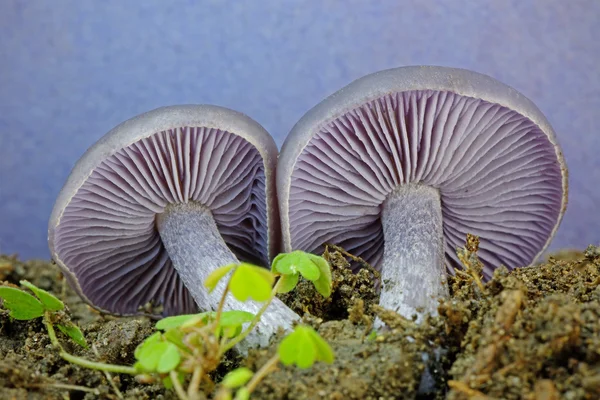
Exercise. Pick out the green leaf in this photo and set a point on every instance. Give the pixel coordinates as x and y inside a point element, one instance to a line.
<point>215,276</point>
<point>296,348</point>
<point>266,275</point>
<point>288,283</point>
<point>149,341</point>
<point>303,347</point>
<point>324,351</point>
<point>176,336</point>
<point>288,348</point>
<point>312,267</point>
<point>177,321</point>
<point>50,302</point>
<point>236,378</point>
<point>323,283</point>
<point>235,318</point>
<point>169,360</point>
<point>250,281</point>
<point>230,332</point>
<point>73,331</point>
<point>277,261</point>
<point>173,322</point>
<point>242,394</point>
<point>231,322</point>
<point>158,356</point>
<point>199,320</point>
<point>309,271</point>
<point>22,305</point>
<point>294,263</point>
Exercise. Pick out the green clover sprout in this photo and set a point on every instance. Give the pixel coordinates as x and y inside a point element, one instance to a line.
<point>24,306</point>
<point>313,268</point>
<point>247,281</point>
<point>303,347</point>
<point>156,354</point>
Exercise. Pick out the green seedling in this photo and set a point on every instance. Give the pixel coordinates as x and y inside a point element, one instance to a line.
<point>157,354</point>
<point>304,347</point>
<point>24,306</point>
<point>187,348</point>
<point>313,268</point>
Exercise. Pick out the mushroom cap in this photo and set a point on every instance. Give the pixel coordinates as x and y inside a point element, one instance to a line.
<point>102,230</point>
<point>488,149</point>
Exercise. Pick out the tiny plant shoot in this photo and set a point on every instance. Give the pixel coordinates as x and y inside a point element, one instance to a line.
<point>187,348</point>
<point>24,306</point>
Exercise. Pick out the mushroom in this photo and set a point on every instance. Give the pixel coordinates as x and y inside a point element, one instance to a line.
<point>400,165</point>
<point>162,200</point>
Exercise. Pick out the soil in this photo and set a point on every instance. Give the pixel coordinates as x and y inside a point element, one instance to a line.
<point>533,333</point>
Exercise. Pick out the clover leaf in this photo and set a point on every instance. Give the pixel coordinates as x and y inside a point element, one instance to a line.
<point>157,355</point>
<point>303,347</point>
<point>250,281</point>
<point>215,276</point>
<point>50,302</point>
<point>22,305</point>
<point>313,268</point>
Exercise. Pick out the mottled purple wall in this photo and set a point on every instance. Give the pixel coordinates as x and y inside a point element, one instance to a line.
<point>70,70</point>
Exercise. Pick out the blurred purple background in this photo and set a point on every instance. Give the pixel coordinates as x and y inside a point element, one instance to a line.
<point>70,70</point>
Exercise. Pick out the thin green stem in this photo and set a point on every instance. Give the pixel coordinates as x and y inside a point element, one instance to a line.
<point>177,386</point>
<point>223,341</point>
<point>253,324</point>
<point>119,369</point>
<point>262,372</point>
<point>194,385</point>
<point>67,387</point>
<point>51,332</point>
<point>222,303</point>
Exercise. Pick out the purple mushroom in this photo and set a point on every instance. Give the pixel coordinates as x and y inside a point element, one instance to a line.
<point>399,166</point>
<point>162,200</point>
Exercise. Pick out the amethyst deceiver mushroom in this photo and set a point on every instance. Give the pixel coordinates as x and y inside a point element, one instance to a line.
<point>159,202</point>
<point>400,165</point>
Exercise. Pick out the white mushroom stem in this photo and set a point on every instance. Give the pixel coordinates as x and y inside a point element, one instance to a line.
<point>413,272</point>
<point>190,235</point>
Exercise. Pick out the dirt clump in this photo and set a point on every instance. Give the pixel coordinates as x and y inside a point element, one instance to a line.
<point>533,333</point>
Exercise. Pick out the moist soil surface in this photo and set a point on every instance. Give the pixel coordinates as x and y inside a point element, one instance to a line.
<point>533,333</point>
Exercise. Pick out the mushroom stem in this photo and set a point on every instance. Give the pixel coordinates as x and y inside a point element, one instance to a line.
<point>413,271</point>
<point>192,239</point>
